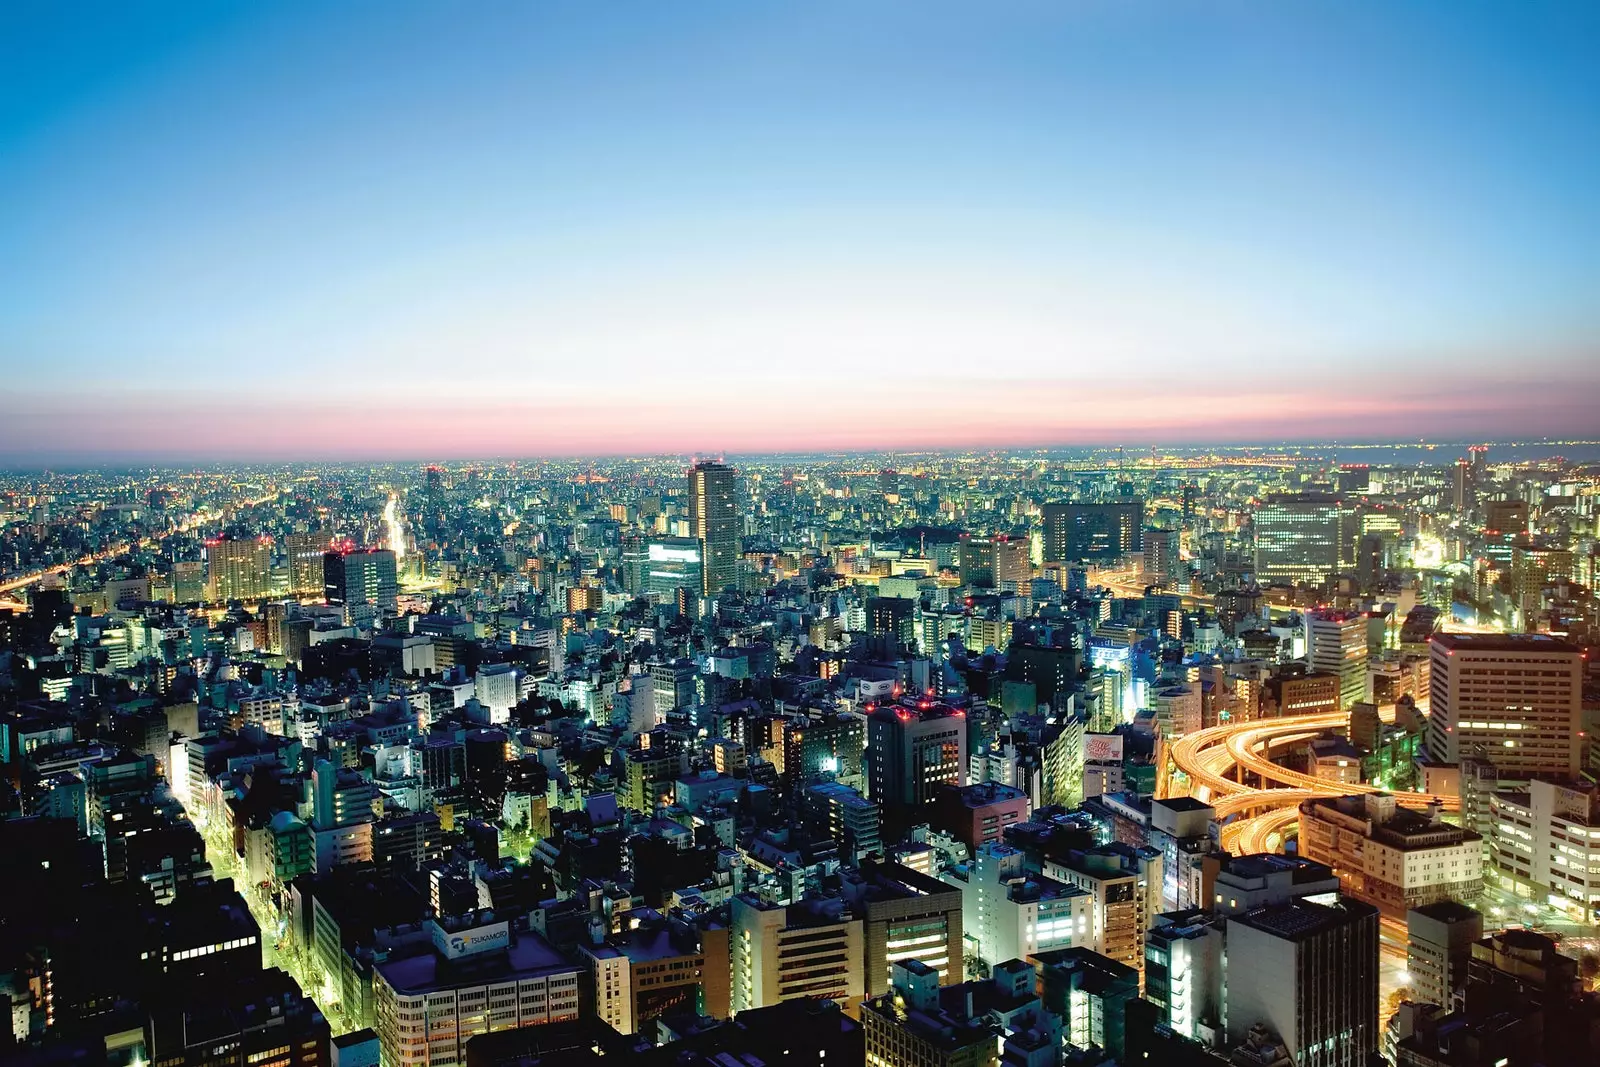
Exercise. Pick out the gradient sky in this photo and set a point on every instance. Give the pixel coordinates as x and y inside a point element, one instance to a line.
<point>422,230</point>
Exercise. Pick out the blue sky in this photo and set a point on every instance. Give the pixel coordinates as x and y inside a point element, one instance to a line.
<point>514,228</point>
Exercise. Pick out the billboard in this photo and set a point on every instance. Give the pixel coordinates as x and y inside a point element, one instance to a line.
<point>453,944</point>
<point>1102,748</point>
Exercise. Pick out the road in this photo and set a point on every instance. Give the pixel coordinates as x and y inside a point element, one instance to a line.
<point>1261,818</point>
<point>202,518</point>
<point>1131,584</point>
<point>275,948</point>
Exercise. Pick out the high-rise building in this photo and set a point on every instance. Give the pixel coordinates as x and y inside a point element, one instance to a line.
<point>1461,487</point>
<point>659,967</point>
<point>1336,643</point>
<point>714,522</point>
<point>1161,555</point>
<point>1505,518</point>
<point>188,581</point>
<point>1545,844</point>
<point>1091,993</point>
<point>238,569</point>
<point>479,977</point>
<point>1092,531</point>
<point>1516,699</point>
<point>305,552</point>
<point>367,576</point>
<point>1299,537</point>
<point>672,564</point>
<point>992,562</point>
<point>912,750</point>
<point>1013,914</point>
<point>907,916</point>
<point>910,1026</point>
<point>892,617</point>
<point>1392,857</point>
<point>1124,884</point>
<point>811,949</point>
<point>1439,940</point>
<point>1309,973</point>
<point>846,816</point>
<point>1183,970</point>
<point>342,816</point>
<point>828,745</point>
<point>979,814</point>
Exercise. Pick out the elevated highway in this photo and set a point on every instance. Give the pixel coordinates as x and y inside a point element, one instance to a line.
<point>1229,767</point>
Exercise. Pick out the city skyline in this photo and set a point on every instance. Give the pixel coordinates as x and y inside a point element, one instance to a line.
<point>239,233</point>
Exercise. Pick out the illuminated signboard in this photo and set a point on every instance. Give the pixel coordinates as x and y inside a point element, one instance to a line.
<point>453,944</point>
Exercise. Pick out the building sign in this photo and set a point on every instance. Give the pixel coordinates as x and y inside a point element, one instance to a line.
<point>1102,748</point>
<point>453,944</point>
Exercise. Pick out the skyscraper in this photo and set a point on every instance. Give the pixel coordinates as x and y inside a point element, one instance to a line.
<point>714,521</point>
<point>1160,554</point>
<point>1299,537</point>
<point>305,551</point>
<point>1092,531</point>
<point>1310,973</point>
<point>367,576</point>
<point>671,564</point>
<point>911,752</point>
<point>239,569</point>
<point>1336,643</point>
<point>1515,698</point>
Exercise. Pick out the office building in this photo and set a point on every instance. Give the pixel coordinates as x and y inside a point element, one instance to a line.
<point>1098,532</point>
<point>1503,518</point>
<point>673,564</point>
<point>1309,973</point>
<point>1013,914</point>
<point>262,1019</point>
<point>361,576</point>
<point>1184,831</point>
<point>893,617</point>
<point>1336,643</point>
<point>714,522</point>
<point>1544,844</point>
<point>1439,940</point>
<point>1183,972</point>
<point>238,569</point>
<point>496,688</point>
<point>912,750</point>
<point>846,816</point>
<point>342,816</point>
<point>1244,883</point>
<point>997,562</point>
<point>476,976</point>
<point>1299,537</point>
<point>1124,883</point>
<point>810,949</point>
<point>829,745</point>
<point>911,1025</point>
<point>1291,693</point>
<point>1391,857</point>
<point>978,814</point>
<point>661,966</point>
<point>906,915</point>
<point>305,552</point>
<point>1515,698</point>
<point>1161,562</point>
<point>1090,992</point>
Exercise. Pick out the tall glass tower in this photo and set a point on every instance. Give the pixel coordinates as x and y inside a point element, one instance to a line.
<point>714,521</point>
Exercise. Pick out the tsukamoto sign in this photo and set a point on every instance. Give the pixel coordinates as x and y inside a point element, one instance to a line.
<point>453,944</point>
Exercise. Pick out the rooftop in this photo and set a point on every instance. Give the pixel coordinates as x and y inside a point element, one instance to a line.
<point>1448,911</point>
<point>1299,919</point>
<point>528,957</point>
<point>1503,643</point>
